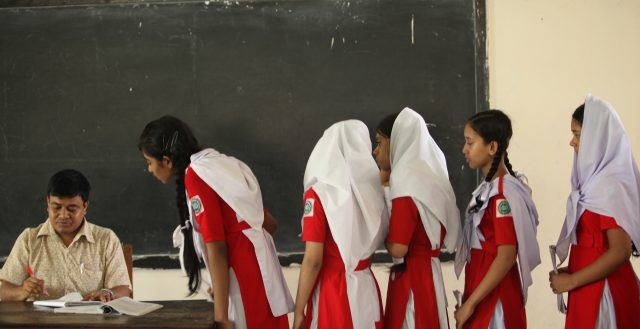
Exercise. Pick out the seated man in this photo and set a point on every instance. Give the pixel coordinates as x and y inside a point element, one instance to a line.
<point>66,253</point>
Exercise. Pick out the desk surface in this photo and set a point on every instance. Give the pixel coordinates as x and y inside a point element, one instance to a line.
<point>194,314</point>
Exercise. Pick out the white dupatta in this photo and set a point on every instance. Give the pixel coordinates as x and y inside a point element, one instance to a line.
<point>419,170</point>
<point>605,177</point>
<point>342,172</point>
<point>234,182</point>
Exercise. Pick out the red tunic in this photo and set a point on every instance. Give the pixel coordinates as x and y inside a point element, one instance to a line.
<point>333,301</point>
<point>218,222</point>
<point>584,302</point>
<point>406,228</point>
<point>497,230</point>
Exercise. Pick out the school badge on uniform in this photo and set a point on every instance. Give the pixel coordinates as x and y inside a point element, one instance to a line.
<point>502,208</point>
<point>196,205</point>
<point>308,207</point>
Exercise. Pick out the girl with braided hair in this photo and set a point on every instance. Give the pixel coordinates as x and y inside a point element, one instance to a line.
<point>223,224</point>
<point>499,232</point>
<point>601,225</point>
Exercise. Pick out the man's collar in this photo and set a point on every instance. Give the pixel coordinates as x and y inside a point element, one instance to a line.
<point>86,230</point>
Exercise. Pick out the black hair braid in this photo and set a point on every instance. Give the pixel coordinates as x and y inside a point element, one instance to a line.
<point>189,253</point>
<point>169,136</point>
<point>494,167</point>
<point>508,164</point>
<point>496,162</point>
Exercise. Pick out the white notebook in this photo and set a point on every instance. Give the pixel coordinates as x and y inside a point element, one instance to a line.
<point>124,305</point>
<point>71,299</point>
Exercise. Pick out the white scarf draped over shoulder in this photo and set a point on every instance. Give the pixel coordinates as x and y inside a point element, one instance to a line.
<point>605,177</point>
<point>235,183</point>
<point>419,171</point>
<point>344,175</point>
<point>525,222</point>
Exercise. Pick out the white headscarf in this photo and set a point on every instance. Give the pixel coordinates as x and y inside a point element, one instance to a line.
<point>605,177</point>
<point>342,172</point>
<point>419,170</point>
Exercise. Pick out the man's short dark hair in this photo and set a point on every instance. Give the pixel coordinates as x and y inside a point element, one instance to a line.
<point>67,184</point>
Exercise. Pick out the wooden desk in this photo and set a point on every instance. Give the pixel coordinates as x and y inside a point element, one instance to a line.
<point>192,314</point>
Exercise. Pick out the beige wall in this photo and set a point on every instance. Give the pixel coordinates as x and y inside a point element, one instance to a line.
<point>544,57</point>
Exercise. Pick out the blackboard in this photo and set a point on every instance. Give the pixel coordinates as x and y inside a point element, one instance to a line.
<point>259,80</point>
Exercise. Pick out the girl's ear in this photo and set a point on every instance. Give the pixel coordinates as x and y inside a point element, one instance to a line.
<point>493,148</point>
<point>167,161</point>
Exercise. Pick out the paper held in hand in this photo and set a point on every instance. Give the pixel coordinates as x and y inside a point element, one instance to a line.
<point>562,307</point>
<point>125,305</point>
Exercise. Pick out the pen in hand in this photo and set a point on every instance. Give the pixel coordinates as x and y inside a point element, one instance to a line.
<point>33,274</point>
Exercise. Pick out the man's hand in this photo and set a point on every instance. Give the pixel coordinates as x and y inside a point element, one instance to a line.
<point>103,295</point>
<point>32,287</point>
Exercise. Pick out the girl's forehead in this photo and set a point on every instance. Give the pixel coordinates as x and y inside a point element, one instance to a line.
<point>469,132</point>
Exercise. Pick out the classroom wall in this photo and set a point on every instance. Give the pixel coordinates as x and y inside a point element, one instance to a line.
<point>544,57</point>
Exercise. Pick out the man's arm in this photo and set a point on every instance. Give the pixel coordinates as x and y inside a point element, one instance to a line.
<point>31,287</point>
<point>116,280</point>
<point>106,295</point>
<point>14,271</point>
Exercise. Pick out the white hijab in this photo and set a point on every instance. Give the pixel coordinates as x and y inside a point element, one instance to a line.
<point>342,172</point>
<point>419,170</point>
<point>605,177</point>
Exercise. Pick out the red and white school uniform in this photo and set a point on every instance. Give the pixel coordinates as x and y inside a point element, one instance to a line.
<point>497,229</point>
<point>258,295</point>
<point>424,216</point>
<point>345,210</point>
<point>605,195</point>
<point>412,300</point>
<point>329,305</point>
<point>506,216</point>
<point>616,297</point>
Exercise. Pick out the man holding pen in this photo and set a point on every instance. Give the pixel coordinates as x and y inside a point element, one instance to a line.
<point>66,253</point>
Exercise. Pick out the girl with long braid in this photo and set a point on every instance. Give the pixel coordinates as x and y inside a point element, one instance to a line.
<point>601,225</point>
<point>499,232</point>
<point>223,223</point>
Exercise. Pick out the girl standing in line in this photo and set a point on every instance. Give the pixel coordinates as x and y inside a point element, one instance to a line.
<point>221,215</point>
<point>344,222</point>
<point>499,231</point>
<point>424,219</point>
<point>602,223</point>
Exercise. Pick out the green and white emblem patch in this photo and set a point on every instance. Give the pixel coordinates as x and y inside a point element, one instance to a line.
<point>502,208</point>
<point>196,205</point>
<point>308,207</point>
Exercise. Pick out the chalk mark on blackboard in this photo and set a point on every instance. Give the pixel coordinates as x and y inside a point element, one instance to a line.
<point>412,39</point>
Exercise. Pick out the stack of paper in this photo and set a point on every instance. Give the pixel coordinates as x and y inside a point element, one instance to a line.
<point>71,299</point>
<point>73,303</point>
